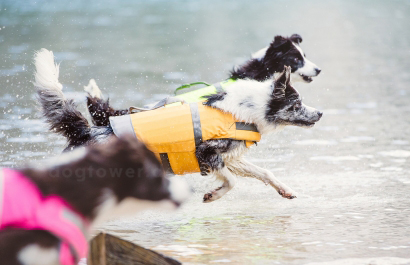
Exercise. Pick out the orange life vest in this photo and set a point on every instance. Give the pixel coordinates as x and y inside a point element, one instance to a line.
<point>174,133</point>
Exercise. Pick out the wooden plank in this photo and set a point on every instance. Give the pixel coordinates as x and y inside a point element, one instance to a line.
<point>106,249</point>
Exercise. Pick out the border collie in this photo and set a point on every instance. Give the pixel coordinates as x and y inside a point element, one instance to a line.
<point>269,105</point>
<point>95,183</point>
<point>264,64</point>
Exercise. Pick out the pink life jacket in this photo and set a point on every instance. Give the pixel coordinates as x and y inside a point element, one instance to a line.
<point>23,206</point>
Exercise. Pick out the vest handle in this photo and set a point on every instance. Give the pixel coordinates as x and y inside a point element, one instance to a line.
<point>159,104</point>
<point>190,85</point>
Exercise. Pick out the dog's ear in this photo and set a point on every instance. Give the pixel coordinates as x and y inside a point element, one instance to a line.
<point>296,38</point>
<point>284,78</point>
<point>281,82</point>
<point>279,41</point>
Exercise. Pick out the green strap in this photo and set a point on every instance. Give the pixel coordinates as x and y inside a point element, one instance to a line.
<point>190,85</point>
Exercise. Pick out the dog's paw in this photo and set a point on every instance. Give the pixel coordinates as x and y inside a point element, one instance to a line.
<point>208,197</point>
<point>215,194</point>
<point>93,89</point>
<point>205,171</point>
<point>288,194</point>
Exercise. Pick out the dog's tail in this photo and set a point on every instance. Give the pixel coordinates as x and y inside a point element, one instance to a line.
<point>61,114</point>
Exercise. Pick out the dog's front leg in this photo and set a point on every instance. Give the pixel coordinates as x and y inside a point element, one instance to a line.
<point>244,168</point>
<point>229,182</point>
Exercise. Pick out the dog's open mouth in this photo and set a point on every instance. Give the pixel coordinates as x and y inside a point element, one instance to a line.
<point>304,123</point>
<point>306,78</point>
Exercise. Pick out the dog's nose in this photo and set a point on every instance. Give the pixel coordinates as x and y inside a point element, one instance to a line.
<point>320,114</point>
<point>318,70</point>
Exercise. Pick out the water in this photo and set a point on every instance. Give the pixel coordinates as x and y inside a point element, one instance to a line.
<point>350,170</point>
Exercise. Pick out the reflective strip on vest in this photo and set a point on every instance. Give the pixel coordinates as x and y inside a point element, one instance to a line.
<point>196,123</point>
<point>173,134</point>
<point>121,125</point>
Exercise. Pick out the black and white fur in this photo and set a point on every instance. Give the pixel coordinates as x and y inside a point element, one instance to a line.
<point>263,65</point>
<point>270,60</point>
<point>270,105</point>
<point>82,178</point>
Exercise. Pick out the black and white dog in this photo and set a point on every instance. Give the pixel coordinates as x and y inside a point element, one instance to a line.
<point>269,105</point>
<point>263,65</point>
<point>271,60</point>
<point>98,182</point>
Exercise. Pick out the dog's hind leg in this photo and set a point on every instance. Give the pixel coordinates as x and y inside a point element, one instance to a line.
<point>100,109</point>
<point>93,89</point>
<point>244,168</point>
<point>229,182</point>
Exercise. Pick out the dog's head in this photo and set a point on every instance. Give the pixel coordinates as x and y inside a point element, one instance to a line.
<point>286,51</point>
<point>285,106</point>
<point>133,174</point>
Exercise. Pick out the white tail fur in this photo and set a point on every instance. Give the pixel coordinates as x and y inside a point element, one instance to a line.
<point>46,76</point>
<point>93,89</point>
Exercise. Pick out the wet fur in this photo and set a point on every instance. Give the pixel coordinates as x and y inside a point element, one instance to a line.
<point>270,105</point>
<point>14,241</point>
<point>271,60</point>
<point>281,52</point>
<point>210,154</point>
<point>78,178</point>
<point>61,114</point>
<point>100,110</point>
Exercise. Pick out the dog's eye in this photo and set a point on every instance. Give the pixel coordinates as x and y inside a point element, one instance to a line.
<point>296,60</point>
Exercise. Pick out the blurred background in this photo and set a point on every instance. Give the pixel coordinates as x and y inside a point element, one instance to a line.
<point>350,170</point>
